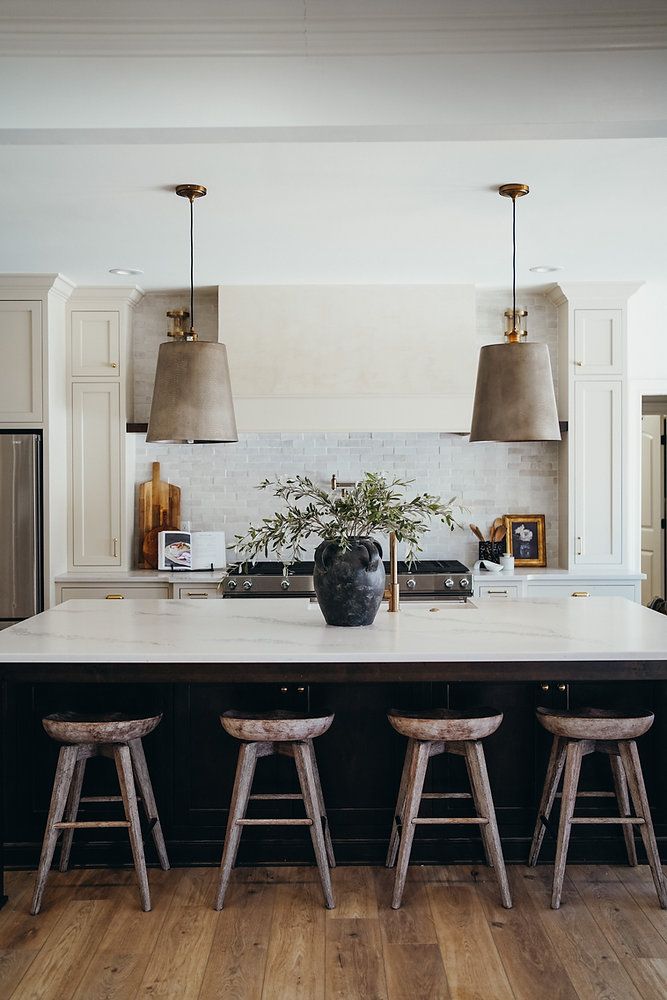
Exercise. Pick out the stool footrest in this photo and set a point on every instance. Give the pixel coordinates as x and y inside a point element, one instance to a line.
<point>591,795</point>
<point>104,798</point>
<point>609,820</point>
<point>292,796</point>
<point>446,795</point>
<point>453,820</point>
<point>274,822</point>
<point>89,825</point>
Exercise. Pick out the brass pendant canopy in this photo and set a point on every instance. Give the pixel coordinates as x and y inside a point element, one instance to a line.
<point>192,396</point>
<point>514,393</point>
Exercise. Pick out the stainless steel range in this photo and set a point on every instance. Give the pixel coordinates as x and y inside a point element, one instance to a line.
<point>429,579</point>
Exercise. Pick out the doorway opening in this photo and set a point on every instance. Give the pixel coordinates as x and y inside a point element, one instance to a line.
<point>653,496</point>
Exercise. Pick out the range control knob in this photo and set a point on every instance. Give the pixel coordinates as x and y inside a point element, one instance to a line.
<point>449,583</point>
<point>284,584</point>
<point>247,584</point>
<point>411,584</point>
<point>464,583</point>
<point>231,585</point>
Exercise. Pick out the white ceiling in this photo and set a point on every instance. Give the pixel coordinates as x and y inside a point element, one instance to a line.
<point>338,167</point>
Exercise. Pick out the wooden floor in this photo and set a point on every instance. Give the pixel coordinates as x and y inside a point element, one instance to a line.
<point>274,940</point>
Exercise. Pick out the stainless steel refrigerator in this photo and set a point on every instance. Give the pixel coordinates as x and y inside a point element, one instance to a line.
<point>21,590</point>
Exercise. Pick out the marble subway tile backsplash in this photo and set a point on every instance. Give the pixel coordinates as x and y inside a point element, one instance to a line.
<point>219,481</point>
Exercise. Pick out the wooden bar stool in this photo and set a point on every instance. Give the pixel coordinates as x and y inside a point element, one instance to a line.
<point>291,734</point>
<point>111,735</point>
<point>576,734</point>
<point>432,732</point>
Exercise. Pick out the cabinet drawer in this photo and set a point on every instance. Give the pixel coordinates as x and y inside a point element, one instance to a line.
<point>583,589</point>
<point>195,593</point>
<point>83,593</point>
<point>500,591</point>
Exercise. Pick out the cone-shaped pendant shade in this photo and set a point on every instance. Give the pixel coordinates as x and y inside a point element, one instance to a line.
<point>514,395</point>
<point>192,398</point>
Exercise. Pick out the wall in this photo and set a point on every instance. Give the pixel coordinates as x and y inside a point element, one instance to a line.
<point>219,481</point>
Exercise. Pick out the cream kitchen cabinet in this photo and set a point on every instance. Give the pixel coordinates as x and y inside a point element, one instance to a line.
<point>597,475</point>
<point>101,481</point>
<point>195,593</point>
<point>95,343</point>
<point>507,590</point>
<point>595,536</point>
<point>21,395</point>
<point>87,591</point>
<point>598,342</point>
<point>580,587</point>
<point>97,536</point>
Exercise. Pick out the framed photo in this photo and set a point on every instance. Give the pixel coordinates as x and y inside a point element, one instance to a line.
<point>526,539</point>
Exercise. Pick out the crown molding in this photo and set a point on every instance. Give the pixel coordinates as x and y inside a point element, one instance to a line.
<point>592,291</point>
<point>37,284</point>
<point>382,29</point>
<point>130,295</point>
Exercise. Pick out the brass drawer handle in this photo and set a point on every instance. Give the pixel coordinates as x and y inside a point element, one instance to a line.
<point>545,687</point>
<point>197,593</point>
<point>115,547</point>
<point>115,597</point>
<point>580,593</point>
<point>501,592</point>
<point>114,365</point>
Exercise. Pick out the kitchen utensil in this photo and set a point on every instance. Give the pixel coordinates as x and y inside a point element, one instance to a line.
<point>159,510</point>
<point>498,523</point>
<point>500,533</point>
<point>477,533</point>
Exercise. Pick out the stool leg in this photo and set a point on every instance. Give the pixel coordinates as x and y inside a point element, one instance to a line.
<point>61,784</point>
<point>323,812</point>
<point>621,789</point>
<point>551,781</point>
<point>633,770</point>
<point>148,799</point>
<point>304,767</point>
<point>484,804</point>
<point>395,838</point>
<point>245,770</point>
<point>71,812</point>
<point>479,808</point>
<point>415,784</point>
<point>123,761</point>
<point>573,755</point>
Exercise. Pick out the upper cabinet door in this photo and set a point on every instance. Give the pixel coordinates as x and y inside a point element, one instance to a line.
<point>96,474</point>
<point>95,344</point>
<point>21,369</point>
<point>597,342</point>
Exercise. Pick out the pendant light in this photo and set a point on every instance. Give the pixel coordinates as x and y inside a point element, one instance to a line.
<point>514,395</point>
<point>192,397</point>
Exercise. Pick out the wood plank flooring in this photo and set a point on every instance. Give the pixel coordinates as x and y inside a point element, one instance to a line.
<point>275,941</point>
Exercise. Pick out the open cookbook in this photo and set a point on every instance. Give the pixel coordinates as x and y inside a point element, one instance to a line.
<point>191,550</point>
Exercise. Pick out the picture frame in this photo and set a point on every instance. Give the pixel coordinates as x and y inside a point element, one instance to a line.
<point>526,539</point>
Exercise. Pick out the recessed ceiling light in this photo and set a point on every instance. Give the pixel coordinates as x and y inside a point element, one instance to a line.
<point>545,268</point>
<point>125,270</point>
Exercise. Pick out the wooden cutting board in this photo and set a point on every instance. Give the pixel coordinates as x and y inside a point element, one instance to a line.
<point>159,510</point>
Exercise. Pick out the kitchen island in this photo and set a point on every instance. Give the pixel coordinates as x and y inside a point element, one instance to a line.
<point>196,659</point>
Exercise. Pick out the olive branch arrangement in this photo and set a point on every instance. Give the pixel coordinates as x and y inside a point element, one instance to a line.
<point>374,504</point>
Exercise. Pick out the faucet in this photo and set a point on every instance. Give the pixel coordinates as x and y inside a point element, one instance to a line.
<point>394,595</point>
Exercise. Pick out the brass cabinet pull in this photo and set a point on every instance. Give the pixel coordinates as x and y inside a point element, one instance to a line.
<point>114,542</point>
<point>114,597</point>
<point>283,690</point>
<point>579,364</point>
<point>544,686</point>
<point>197,593</point>
<point>502,592</point>
<point>578,545</point>
<point>562,687</point>
<point>300,690</point>
<point>580,593</point>
<point>114,365</point>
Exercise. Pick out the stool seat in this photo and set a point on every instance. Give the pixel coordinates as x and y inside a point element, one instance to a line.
<point>279,726</point>
<point>448,725</point>
<point>595,723</point>
<point>111,727</point>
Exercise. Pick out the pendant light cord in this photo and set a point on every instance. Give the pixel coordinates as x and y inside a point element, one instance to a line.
<point>192,265</point>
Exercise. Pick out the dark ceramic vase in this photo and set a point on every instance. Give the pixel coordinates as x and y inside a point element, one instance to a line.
<point>349,585</point>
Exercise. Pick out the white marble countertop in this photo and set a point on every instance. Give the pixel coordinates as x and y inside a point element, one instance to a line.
<point>140,576</point>
<point>293,631</point>
<point>547,574</point>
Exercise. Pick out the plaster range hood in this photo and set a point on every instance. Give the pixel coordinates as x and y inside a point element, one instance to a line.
<point>314,358</point>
